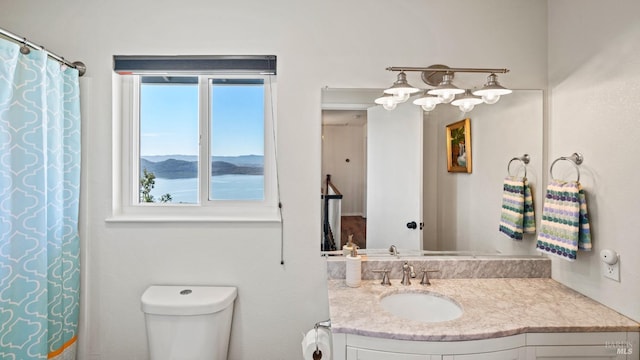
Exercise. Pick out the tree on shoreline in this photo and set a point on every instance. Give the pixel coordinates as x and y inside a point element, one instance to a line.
<point>147,183</point>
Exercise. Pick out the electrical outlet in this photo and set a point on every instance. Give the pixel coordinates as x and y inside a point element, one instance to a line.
<point>611,271</point>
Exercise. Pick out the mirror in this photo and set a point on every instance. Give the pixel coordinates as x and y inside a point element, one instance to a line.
<point>459,211</point>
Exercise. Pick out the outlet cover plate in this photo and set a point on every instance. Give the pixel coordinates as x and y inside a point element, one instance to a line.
<point>611,271</point>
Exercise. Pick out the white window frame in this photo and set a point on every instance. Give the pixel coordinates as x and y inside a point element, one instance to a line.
<point>126,206</point>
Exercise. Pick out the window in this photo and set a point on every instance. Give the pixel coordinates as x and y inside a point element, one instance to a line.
<point>237,139</point>
<point>168,140</point>
<point>193,145</point>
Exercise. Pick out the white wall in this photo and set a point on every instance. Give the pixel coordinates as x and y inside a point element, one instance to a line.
<point>339,143</point>
<point>594,78</point>
<point>321,43</point>
<point>462,211</point>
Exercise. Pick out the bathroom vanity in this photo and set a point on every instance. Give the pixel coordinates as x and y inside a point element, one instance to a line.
<point>521,318</point>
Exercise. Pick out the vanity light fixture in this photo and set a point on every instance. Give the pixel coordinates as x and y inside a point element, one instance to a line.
<point>428,102</point>
<point>401,90</point>
<point>492,90</point>
<point>443,91</point>
<point>467,101</point>
<point>446,91</point>
<point>387,101</point>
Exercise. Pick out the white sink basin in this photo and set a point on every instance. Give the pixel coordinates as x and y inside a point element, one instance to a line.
<point>422,307</point>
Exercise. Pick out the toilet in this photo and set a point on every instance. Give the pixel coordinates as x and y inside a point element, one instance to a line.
<point>188,322</point>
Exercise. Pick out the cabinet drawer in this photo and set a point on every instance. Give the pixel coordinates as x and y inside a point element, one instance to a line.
<point>576,352</point>
<point>511,354</point>
<point>365,354</point>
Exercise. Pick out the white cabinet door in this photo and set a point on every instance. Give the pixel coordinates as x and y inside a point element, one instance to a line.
<point>512,354</point>
<point>365,354</point>
<point>538,346</point>
<point>575,353</point>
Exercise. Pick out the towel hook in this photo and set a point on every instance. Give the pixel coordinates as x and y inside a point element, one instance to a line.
<point>524,159</point>
<point>575,159</point>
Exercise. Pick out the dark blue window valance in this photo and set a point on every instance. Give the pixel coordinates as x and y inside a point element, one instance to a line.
<point>195,64</point>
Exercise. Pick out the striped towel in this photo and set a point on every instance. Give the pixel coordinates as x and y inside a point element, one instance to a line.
<point>565,222</point>
<point>517,215</point>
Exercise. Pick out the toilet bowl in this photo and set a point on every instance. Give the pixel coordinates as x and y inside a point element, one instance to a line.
<point>188,322</point>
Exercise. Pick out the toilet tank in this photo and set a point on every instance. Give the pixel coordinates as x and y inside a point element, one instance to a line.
<point>188,322</point>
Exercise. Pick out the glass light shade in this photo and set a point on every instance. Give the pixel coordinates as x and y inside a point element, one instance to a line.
<point>401,97</point>
<point>446,98</point>
<point>466,107</point>
<point>387,101</point>
<point>445,89</point>
<point>490,98</point>
<point>427,102</point>
<point>401,87</point>
<point>390,106</point>
<point>466,101</point>
<point>497,90</point>
<point>492,90</point>
<point>466,98</point>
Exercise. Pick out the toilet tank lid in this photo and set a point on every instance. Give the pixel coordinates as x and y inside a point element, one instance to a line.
<point>187,300</point>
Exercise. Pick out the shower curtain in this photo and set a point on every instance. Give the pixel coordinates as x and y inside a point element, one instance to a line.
<point>39,196</point>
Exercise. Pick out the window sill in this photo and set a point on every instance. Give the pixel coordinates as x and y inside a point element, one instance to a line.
<point>254,218</point>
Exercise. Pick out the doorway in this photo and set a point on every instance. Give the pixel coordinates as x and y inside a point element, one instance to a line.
<point>344,158</point>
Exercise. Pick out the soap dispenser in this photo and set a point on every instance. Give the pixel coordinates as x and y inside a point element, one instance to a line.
<point>348,247</point>
<point>354,268</point>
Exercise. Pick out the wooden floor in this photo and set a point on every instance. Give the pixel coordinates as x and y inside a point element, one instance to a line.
<point>356,225</point>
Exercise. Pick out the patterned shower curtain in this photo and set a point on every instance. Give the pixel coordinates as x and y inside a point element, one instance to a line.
<point>39,196</point>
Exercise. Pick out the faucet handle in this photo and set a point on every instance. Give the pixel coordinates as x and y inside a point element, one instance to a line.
<point>425,278</point>
<point>385,276</point>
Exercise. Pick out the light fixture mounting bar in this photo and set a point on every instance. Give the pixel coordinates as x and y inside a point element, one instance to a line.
<point>449,70</point>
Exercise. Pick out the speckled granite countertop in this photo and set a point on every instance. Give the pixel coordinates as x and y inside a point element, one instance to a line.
<point>492,308</point>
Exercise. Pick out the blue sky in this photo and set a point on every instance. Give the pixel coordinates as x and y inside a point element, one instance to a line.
<point>169,120</point>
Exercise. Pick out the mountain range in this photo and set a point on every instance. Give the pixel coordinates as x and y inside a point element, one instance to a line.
<point>186,166</point>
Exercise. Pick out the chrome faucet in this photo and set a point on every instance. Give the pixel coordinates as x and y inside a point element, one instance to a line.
<point>393,250</point>
<point>385,276</point>
<point>425,277</point>
<point>407,273</point>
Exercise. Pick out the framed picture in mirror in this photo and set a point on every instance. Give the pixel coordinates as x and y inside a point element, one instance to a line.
<point>459,146</point>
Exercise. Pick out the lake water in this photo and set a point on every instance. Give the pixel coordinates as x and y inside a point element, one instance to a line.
<point>223,187</point>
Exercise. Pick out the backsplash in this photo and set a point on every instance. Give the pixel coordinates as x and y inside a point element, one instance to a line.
<point>449,268</point>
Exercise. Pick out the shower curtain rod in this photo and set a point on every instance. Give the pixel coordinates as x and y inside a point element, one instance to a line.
<point>78,65</point>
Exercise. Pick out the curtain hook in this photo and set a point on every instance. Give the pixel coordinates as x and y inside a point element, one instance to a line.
<point>24,49</point>
<point>63,64</point>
